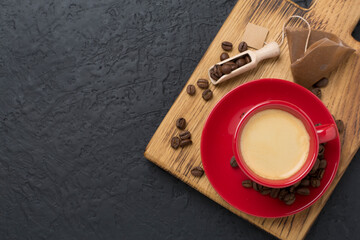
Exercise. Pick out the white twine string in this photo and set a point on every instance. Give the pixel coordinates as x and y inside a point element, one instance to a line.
<point>287,21</point>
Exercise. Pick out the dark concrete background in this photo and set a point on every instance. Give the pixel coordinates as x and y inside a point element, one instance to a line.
<point>83,86</point>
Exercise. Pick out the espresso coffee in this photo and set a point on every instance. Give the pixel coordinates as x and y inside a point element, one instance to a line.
<point>274,144</point>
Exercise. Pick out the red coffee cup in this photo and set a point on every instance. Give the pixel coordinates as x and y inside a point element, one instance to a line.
<point>317,134</point>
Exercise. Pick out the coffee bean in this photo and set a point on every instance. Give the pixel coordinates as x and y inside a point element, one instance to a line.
<point>175,142</point>
<point>233,162</point>
<point>305,183</point>
<point>207,95</point>
<point>247,183</point>
<point>274,192</point>
<point>226,69</point>
<point>243,47</point>
<point>217,71</point>
<point>316,92</point>
<point>293,187</point>
<point>315,167</point>
<point>315,182</point>
<point>340,125</point>
<point>240,62</point>
<point>289,197</point>
<point>203,83</point>
<point>321,149</point>
<point>322,83</point>
<point>190,89</point>
<point>282,194</point>
<point>185,135</point>
<point>232,65</point>
<point>290,202</point>
<point>213,76</point>
<point>303,191</point>
<point>321,174</point>
<point>224,56</point>
<point>265,191</point>
<point>255,186</point>
<point>185,142</point>
<point>260,187</point>
<point>227,46</point>
<point>247,59</point>
<point>197,171</point>
<point>323,164</point>
<point>181,123</point>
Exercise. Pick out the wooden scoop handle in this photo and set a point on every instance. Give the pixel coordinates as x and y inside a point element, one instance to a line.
<point>270,50</point>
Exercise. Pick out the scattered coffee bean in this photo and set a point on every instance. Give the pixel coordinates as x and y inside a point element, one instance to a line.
<point>243,47</point>
<point>289,197</point>
<point>185,142</point>
<point>293,187</point>
<point>240,62</point>
<point>203,83</point>
<point>315,167</point>
<point>207,95</point>
<point>274,192</point>
<point>227,46</point>
<point>282,194</point>
<point>322,83</point>
<point>247,59</point>
<point>181,123</point>
<point>260,187</point>
<point>185,135</point>
<point>316,92</point>
<point>255,186</point>
<point>247,183</point>
<point>226,69</point>
<point>321,149</point>
<point>265,191</point>
<point>290,202</point>
<point>297,184</point>
<point>175,142</point>
<point>197,171</point>
<point>321,174</point>
<point>305,183</point>
<point>340,125</point>
<point>303,191</point>
<point>323,164</point>
<point>315,182</point>
<point>191,89</point>
<point>224,56</point>
<point>233,162</point>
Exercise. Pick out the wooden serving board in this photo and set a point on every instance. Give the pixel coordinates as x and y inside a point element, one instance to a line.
<point>341,96</point>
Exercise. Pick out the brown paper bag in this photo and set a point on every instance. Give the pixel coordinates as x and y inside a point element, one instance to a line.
<point>325,52</point>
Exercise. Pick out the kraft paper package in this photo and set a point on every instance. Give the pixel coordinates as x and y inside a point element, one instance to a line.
<point>324,54</point>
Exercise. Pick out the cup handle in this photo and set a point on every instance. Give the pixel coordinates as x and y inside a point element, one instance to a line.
<point>326,132</point>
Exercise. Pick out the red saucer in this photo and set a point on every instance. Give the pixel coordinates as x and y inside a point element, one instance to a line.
<point>216,146</point>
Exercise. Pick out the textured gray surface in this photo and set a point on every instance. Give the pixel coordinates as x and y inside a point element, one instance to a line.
<point>83,86</point>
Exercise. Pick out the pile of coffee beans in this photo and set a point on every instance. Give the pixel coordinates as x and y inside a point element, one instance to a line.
<point>202,84</point>
<point>319,84</point>
<point>219,70</point>
<point>184,138</point>
<point>288,195</point>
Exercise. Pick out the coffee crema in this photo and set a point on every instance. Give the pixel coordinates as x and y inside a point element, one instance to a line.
<point>274,144</point>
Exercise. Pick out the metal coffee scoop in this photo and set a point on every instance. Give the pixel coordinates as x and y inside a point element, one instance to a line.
<point>270,50</point>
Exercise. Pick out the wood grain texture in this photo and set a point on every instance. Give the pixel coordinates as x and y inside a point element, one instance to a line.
<point>341,96</point>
